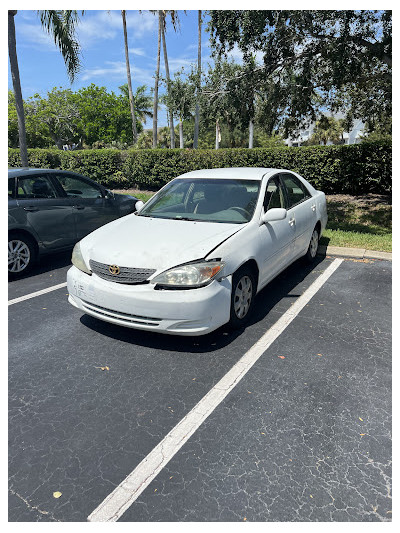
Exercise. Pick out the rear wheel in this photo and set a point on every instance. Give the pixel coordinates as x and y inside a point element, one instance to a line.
<point>21,254</point>
<point>242,300</point>
<point>313,246</point>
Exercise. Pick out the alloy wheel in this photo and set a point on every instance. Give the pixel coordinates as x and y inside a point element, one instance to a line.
<point>19,256</point>
<point>314,243</point>
<point>243,296</point>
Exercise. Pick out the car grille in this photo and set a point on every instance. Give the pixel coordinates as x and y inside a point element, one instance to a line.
<point>126,275</point>
<point>118,315</point>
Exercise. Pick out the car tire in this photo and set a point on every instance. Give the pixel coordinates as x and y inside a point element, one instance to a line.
<point>22,254</point>
<point>242,299</point>
<point>313,246</point>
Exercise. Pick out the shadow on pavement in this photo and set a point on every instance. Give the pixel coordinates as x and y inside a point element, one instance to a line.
<point>47,264</point>
<point>266,300</point>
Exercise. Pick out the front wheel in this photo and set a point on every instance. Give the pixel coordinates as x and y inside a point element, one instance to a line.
<point>313,246</point>
<point>242,300</point>
<point>21,254</point>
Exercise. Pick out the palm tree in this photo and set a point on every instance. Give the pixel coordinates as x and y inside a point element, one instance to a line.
<point>142,102</point>
<point>175,24</point>
<point>327,129</point>
<point>60,24</point>
<point>128,74</point>
<point>171,118</point>
<point>197,112</point>
<point>161,33</point>
<point>157,76</point>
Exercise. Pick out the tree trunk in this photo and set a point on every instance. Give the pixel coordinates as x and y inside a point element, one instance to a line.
<point>217,135</point>
<point>251,133</point>
<point>171,117</point>
<point>197,112</point>
<point>128,74</point>
<point>19,104</point>
<point>155,105</point>
<point>181,134</point>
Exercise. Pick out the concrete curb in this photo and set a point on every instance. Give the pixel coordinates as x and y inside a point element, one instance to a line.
<point>359,253</point>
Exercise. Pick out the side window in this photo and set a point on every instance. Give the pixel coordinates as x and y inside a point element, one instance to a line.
<point>38,186</point>
<point>11,187</point>
<point>296,192</point>
<point>273,195</point>
<point>78,188</point>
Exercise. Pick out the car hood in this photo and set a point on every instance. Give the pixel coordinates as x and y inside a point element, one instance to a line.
<point>142,242</point>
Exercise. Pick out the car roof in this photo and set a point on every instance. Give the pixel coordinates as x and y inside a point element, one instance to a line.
<point>245,173</point>
<point>29,170</point>
<point>25,171</point>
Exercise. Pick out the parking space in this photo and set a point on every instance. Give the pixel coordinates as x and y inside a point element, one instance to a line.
<point>304,436</point>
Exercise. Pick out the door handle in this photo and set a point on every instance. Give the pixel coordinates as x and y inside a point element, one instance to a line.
<point>31,208</point>
<point>78,207</point>
<point>313,207</point>
<point>292,221</point>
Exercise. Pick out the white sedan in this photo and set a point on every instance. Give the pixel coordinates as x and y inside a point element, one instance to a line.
<point>194,256</point>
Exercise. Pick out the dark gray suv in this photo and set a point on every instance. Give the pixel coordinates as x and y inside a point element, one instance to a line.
<point>50,210</point>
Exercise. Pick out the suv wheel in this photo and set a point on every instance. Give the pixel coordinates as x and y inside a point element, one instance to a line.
<point>21,254</point>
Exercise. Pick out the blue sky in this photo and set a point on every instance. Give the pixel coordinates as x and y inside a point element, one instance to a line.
<point>100,35</point>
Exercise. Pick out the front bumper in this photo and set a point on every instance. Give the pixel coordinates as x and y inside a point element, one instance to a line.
<point>179,312</point>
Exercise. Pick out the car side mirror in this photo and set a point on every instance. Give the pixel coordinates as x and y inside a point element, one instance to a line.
<point>139,204</point>
<point>276,213</point>
<point>109,194</point>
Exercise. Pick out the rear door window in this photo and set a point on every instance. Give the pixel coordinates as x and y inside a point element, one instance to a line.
<point>37,186</point>
<point>296,192</point>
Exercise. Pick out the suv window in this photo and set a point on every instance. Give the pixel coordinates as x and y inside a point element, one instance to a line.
<point>296,193</point>
<point>77,187</point>
<point>11,187</point>
<point>37,186</point>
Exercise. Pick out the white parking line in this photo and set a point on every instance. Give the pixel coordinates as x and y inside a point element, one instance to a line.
<point>116,503</point>
<point>37,293</point>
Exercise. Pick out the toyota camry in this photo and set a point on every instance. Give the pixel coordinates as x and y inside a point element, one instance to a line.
<point>195,255</point>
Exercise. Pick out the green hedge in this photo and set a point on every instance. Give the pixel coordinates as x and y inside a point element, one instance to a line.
<point>354,169</point>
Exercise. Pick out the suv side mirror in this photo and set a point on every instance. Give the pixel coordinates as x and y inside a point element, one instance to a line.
<point>276,213</point>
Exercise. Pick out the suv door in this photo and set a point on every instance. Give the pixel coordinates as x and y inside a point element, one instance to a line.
<point>277,237</point>
<point>301,211</point>
<point>43,210</point>
<point>91,208</point>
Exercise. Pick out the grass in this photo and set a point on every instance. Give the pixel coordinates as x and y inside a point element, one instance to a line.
<point>359,222</point>
<point>353,221</point>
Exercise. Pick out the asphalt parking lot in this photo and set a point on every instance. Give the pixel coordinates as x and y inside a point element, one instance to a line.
<point>305,435</point>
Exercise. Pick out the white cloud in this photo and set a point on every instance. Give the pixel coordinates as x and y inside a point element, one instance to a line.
<point>176,63</point>
<point>34,35</point>
<point>116,70</point>
<point>102,25</point>
<point>137,52</point>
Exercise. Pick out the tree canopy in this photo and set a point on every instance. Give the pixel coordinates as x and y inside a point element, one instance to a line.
<point>331,58</point>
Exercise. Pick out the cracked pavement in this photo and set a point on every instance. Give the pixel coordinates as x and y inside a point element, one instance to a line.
<point>305,436</point>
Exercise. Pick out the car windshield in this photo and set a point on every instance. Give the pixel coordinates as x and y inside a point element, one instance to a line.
<point>229,201</point>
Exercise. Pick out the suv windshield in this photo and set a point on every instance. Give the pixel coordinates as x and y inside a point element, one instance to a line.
<point>208,200</point>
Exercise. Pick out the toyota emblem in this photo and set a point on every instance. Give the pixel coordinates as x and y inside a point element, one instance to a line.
<point>114,270</point>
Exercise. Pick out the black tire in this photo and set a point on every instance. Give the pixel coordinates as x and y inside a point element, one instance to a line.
<point>242,299</point>
<point>22,254</point>
<point>313,246</point>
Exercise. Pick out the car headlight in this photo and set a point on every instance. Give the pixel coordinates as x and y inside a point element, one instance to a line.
<point>78,261</point>
<point>190,275</point>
